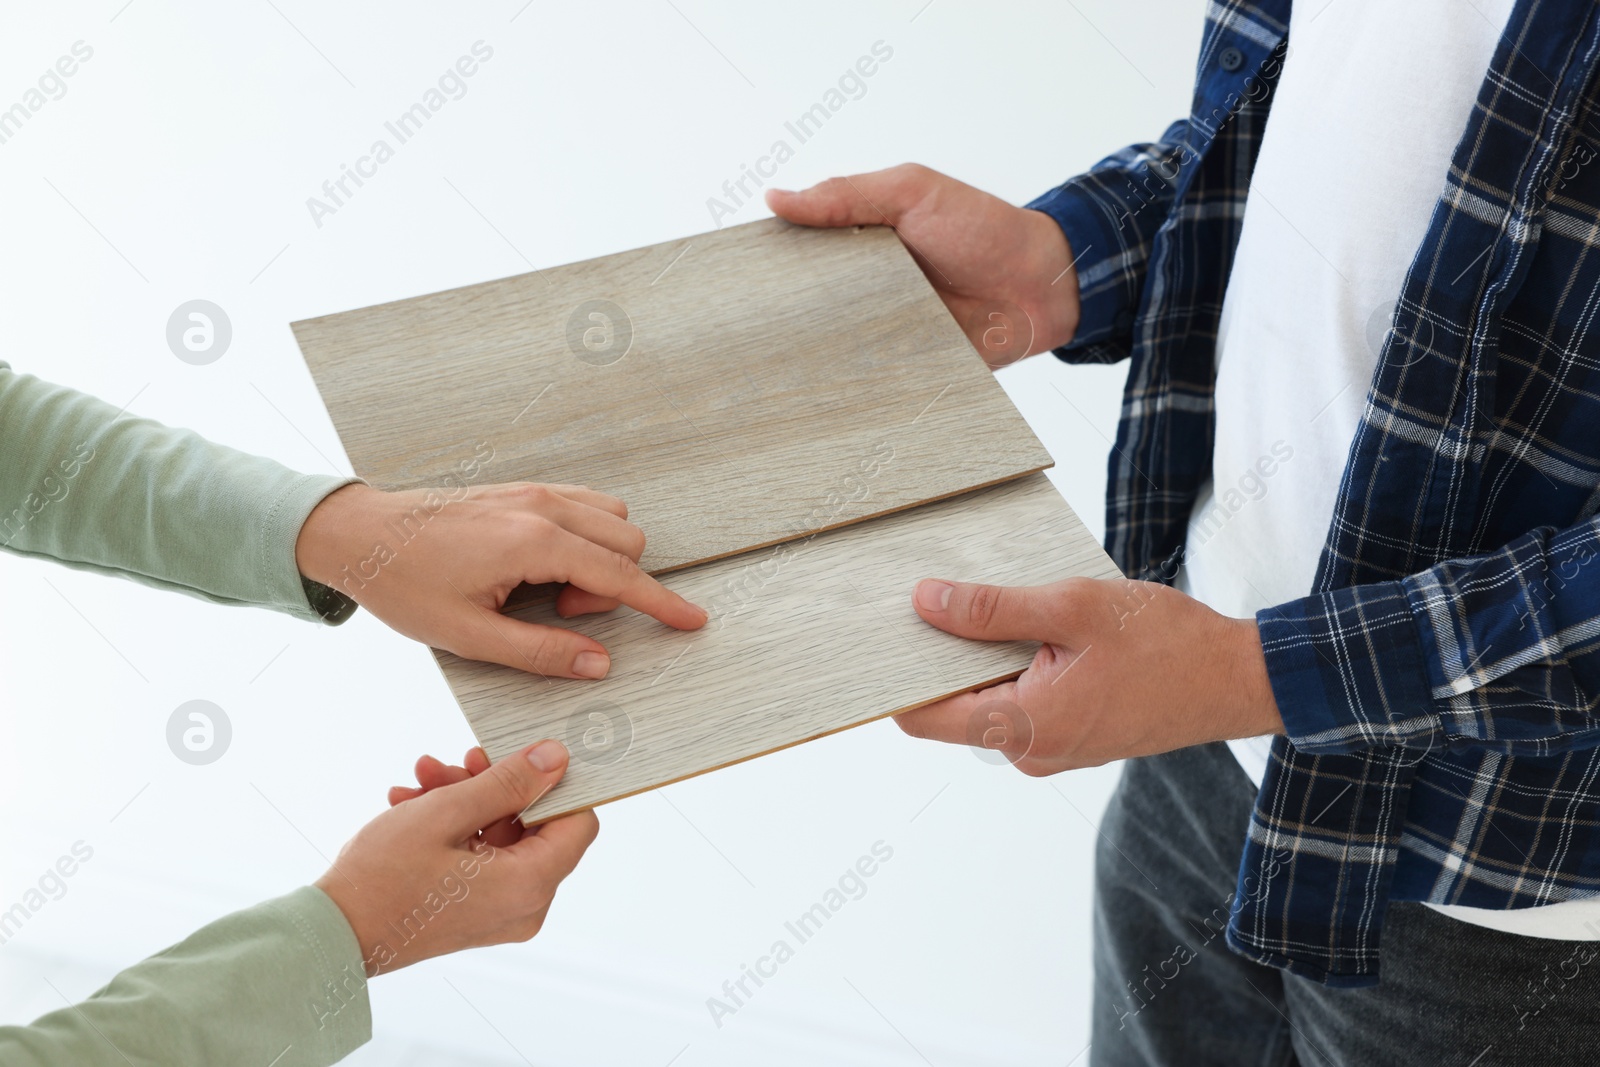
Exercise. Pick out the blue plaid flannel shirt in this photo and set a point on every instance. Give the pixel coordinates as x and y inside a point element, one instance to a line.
<point>1439,686</point>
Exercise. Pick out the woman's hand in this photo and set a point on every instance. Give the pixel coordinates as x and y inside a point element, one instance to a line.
<point>452,868</point>
<point>432,774</point>
<point>438,564</point>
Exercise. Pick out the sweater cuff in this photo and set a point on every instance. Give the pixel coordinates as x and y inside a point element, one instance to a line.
<point>340,1010</point>
<point>295,593</point>
<point>1349,670</point>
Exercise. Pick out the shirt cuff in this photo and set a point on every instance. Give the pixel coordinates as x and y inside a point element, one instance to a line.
<point>1106,299</point>
<point>295,593</point>
<point>1349,670</point>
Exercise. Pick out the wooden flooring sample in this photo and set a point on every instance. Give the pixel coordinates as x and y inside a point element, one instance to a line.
<point>805,638</point>
<point>734,388</point>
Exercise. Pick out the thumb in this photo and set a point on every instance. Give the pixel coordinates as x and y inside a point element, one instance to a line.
<point>544,650</point>
<point>875,199</point>
<point>506,788</point>
<point>990,612</point>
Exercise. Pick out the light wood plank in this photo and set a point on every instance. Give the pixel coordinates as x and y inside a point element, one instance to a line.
<point>758,371</point>
<point>806,638</point>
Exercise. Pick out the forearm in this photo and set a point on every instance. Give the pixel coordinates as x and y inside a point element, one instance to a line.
<point>86,485</point>
<point>281,983</point>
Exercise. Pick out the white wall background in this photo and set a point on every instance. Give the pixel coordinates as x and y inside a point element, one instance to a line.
<point>177,165</point>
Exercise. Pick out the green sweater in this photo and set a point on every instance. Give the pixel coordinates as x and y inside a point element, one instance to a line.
<point>88,486</point>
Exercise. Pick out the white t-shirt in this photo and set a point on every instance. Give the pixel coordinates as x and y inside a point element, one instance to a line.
<point>1372,100</point>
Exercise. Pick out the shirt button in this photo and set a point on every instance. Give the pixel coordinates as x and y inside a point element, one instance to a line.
<point>1122,322</point>
<point>1231,59</point>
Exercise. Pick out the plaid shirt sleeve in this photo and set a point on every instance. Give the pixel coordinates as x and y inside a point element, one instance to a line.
<point>1438,695</point>
<point>1499,651</point>
<point>1110,217</point>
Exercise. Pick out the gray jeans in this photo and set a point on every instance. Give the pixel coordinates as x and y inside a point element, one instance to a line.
<point>1168,990</point>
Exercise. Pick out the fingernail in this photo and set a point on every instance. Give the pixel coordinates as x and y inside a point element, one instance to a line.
<point>547,755</point>
<point>934,596</point>
<point>591,665</point>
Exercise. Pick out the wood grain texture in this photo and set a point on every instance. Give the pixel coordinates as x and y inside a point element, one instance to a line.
<point>731,389</point>
<point>805,638</point>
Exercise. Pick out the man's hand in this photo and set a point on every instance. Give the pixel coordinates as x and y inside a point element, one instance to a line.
<point>445,870</point>
<point>1004,272</point>
<point>1126,669</point>
<point>437,565</point>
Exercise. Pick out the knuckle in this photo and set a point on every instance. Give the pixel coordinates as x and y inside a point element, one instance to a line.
<point>1072,599</point>
<point>912,181</point>
<point>543,650</point>
<point>838,196</point>
<point>635,540</point>
<point>1075,589</point>
<point>511,789</point>
<point>622,567</point>
<point>984,605</point>
<point>533,494</point>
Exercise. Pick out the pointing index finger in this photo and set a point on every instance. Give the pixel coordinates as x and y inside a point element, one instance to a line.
<point>612,574</point>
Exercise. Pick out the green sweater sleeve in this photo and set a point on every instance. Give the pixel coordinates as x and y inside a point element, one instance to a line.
<point>91,487</point>
<point>282,983</point>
